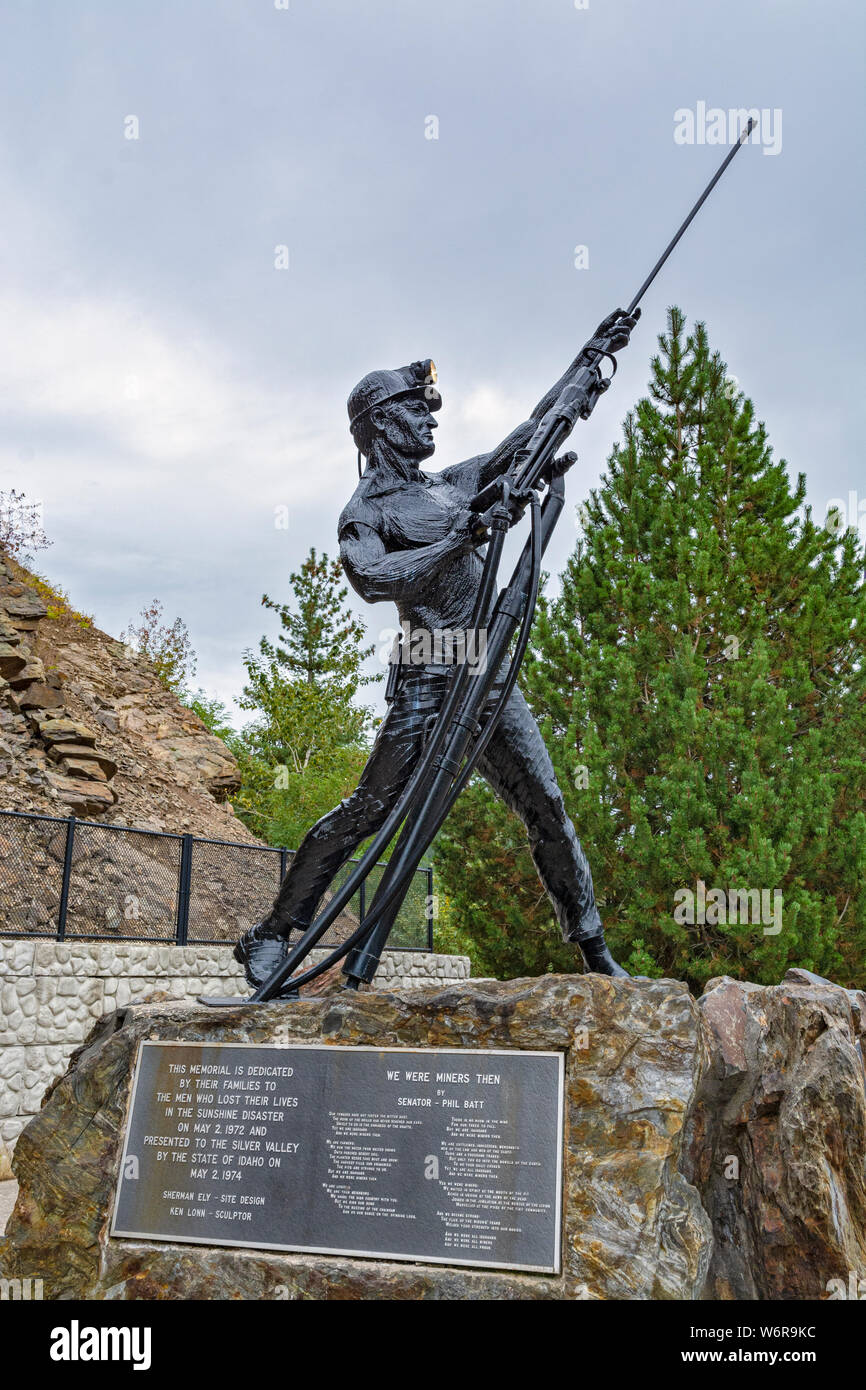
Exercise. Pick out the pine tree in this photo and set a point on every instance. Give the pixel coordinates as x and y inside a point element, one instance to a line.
<point>700,683</point>
<point>307,743</point>
<point>320,643</point>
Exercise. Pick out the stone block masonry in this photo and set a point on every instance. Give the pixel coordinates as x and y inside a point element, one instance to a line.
<point>52,992</point>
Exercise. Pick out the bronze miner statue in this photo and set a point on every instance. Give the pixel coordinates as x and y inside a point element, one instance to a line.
<point>410,536</point>
<point>432,543</point>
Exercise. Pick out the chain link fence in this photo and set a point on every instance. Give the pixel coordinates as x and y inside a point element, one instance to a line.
<point>67,879</point>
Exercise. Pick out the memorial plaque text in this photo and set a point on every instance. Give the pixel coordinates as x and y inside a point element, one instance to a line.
<point>446,1155</point>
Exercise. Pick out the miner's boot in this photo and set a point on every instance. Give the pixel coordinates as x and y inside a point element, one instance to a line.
<point>261,955</point>
<point>598,959</point>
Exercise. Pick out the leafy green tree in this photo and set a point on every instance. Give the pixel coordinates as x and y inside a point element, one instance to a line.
<point>214,715</point>
<point>700,684</point>
<point>166,645</point>
<point>308,740</point>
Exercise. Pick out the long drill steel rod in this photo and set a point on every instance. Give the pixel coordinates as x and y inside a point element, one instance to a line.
<point>743,137</point>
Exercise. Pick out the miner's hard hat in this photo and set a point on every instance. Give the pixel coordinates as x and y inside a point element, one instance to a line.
<point>418,379</point>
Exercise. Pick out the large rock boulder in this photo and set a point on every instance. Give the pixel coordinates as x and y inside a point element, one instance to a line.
<point>778,1147</point>
<point>633,1227</point>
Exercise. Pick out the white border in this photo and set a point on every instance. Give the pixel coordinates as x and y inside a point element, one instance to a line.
<point>332,1250</point>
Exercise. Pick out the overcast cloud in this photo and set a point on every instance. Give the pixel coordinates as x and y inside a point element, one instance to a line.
<point>165,388</point>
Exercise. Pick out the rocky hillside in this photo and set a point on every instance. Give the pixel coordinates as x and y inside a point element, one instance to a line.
<point>87,729</point>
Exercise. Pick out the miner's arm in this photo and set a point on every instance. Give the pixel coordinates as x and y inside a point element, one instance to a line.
<point>377,574</point>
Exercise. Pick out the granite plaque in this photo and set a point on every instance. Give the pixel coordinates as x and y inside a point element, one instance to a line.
<point>442,1155</point>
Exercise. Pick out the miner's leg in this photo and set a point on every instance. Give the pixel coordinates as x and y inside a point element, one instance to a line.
<point>518,767</point>
<point>332,841</point>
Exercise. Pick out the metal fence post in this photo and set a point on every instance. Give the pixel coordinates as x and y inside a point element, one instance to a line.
<point>67,872</point>
<point>183,886</point>
<point>284,861</point>
<point>429,872</point>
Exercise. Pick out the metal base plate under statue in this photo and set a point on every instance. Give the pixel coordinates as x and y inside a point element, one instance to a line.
<point>484,1141</point>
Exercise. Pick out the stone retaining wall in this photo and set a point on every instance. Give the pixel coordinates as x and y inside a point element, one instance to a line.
<point>51,993</point>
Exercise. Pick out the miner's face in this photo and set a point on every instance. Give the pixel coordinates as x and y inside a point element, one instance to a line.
<point>407,425</point>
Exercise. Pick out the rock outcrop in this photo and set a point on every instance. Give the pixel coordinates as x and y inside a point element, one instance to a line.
<point>87,729</point>
<point>778,1149</point>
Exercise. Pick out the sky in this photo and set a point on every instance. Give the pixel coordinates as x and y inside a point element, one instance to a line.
<point>174,392</point>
